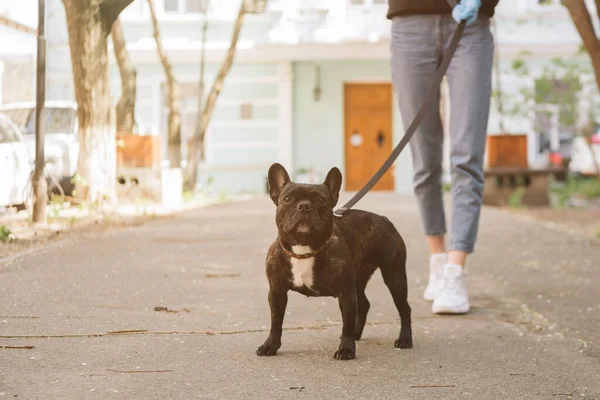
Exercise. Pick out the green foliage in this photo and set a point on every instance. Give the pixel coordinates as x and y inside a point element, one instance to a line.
<point>520,67</point>
<point>188,195</point>
<point>55,205</point>
<point>558,84</point>
<point>516,198</point>
<point>5,234</point>
<point>588,188</point>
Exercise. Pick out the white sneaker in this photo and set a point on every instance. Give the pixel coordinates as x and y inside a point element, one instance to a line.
<point>453,297</point>
<point>436,269</point>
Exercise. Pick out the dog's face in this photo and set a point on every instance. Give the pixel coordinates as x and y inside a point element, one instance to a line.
<point>304,212</point>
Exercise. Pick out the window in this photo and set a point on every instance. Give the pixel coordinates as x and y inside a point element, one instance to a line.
<point>7,131</point>
<point>185,6</point>
<point>58,120</point>
<point>172,6</point>
<point>195,6</point>
<point>246,111</point>
<point>557,110</point>
<point>19,116</point>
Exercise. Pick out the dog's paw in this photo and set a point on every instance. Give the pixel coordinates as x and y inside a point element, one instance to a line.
<point>267,349</point>
<point>403,343</point>
<point>344,354</point>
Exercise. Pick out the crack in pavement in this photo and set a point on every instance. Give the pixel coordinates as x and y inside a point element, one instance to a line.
<point>142,332</point>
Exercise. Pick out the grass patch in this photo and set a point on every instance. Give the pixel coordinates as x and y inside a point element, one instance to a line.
<point>516,198</point>
<point>5,234</point>
<point>587,188</point>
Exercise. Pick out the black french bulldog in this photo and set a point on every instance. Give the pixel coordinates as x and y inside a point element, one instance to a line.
<point>318,254</point>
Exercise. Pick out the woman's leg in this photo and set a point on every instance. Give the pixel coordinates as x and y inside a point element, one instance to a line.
<point>470,81</point>
<point>416,48</point>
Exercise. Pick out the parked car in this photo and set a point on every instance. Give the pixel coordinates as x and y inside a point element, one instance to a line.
<point>61,144</point>
<point>15,165</point>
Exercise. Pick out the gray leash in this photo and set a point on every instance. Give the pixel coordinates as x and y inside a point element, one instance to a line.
<point>441,71</point>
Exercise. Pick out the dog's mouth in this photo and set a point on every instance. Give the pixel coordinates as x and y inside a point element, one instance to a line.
<point>303,227</point>
<point>301,223</point>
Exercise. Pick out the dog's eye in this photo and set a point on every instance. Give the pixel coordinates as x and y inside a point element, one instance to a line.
<point>322,201</point>
<point>287,199</point>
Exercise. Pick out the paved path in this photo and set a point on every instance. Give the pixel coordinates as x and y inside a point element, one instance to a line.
<point>534,332</point>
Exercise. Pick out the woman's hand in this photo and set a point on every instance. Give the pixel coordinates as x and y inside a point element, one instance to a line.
<point>466,10</point>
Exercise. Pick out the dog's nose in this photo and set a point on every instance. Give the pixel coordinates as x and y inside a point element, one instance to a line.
<point>304,205</point>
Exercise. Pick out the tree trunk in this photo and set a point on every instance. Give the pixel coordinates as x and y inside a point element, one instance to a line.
<point>174,118</point>
<point>126,103</point>
<point>89,23</point>
<point>199,151</point>
<point>192,167</point>
<point>583,22</point>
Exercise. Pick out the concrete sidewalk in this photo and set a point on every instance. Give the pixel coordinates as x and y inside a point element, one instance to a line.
<point>176,308</point>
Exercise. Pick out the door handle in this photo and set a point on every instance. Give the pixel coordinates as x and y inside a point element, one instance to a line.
<point>380,138</point>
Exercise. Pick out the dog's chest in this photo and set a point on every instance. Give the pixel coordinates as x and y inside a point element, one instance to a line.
<point>302,269</point>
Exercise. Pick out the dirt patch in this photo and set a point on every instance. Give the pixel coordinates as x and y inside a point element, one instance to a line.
<point>584,220</point>
<point>29,237</point>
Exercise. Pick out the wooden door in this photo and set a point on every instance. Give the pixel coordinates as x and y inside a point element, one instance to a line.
<point>367,134</point>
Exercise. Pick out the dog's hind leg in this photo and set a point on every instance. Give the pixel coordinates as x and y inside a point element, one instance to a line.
<point>393,270</point>
<point>362,278</point>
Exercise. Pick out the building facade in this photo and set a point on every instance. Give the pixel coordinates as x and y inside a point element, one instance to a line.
<point>311,83</point>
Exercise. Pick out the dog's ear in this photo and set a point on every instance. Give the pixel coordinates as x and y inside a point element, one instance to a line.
<point>333,181</point>
<point>278,178</point>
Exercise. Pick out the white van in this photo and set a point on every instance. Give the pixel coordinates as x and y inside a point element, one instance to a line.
<point>61,143</point>
<point>16,165</point>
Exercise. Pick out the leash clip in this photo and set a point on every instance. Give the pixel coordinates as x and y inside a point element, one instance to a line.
<point>340,212</point>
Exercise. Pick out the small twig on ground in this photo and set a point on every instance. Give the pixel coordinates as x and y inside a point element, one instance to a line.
<point>17,316</point>
<point>135,371</point>
<point>170,311</point>
<point>232,275</point>
<point>301,388</point>
<point>137,332</point>
<point>18,347</point>
<point>522,374</point>
<point>562,394</point>
<point>128,331</point>
<point>431,386</point>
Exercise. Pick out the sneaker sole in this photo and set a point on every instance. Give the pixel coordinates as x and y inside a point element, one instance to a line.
<point>464,309</point>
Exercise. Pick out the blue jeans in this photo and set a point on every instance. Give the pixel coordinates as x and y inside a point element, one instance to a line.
<point>418,43</point>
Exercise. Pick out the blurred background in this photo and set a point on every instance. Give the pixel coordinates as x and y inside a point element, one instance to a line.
<point>304,74</point>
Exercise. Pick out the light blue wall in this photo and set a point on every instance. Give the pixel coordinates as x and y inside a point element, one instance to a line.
<point>319,126</point>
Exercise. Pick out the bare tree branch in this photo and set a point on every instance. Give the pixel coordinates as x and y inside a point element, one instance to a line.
<point>215,90</point>
<point>174,119</point>
<point>110,10</point>
<point>583,22</point>
<point>126,103</point>
<point>192,168</point>
<point>598,8</point>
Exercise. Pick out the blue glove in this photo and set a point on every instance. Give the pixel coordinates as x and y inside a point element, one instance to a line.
<point>466,10</point>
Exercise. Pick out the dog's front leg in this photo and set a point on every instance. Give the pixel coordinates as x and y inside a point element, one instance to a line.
<point>347,301</point>
<point>277,302</point>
